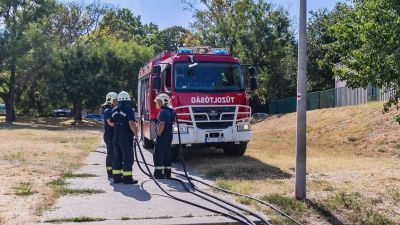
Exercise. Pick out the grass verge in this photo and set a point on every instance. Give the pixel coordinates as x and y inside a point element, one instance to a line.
<point>24,189</point>
<point>349,148</point>
<point>82,219</point>
<point>36,155</point>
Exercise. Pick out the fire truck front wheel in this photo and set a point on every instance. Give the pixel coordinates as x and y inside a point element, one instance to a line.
<point>235,149</point>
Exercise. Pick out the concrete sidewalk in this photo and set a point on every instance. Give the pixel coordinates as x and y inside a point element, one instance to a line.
<point>120,204</point>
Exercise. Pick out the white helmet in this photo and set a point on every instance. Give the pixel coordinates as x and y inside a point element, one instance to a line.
<point>123,96</point>
<point>164,98</point>
<point>110,97</point>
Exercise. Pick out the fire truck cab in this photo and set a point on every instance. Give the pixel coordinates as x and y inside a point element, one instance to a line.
<point>207,87</point>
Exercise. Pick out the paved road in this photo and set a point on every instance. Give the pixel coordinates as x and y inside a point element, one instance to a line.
<point>137,204</point>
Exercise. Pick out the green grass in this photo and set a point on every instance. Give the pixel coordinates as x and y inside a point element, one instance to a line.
<point>381,150</point>
<point>287,204</point>
<point>216,173</point>
<point>78,175</point>
<point>344,200</point>
<point>243,200</point>
<point>282,221</point>
<point>359,209</point>
<point>14,156</point>
<point>224,184</point>
<point>59,187</point>
<point>83,191</point>
<point>23,189</point>
<point>57,182</point>
<point>352,139</point>
<point>146,218</point>
<point>395,195</point>
<point>81,219</point>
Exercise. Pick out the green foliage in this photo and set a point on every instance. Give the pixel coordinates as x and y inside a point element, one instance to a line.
<point>81,219</point>
<point>320,61</point>
<point>84,191</point>
<point>397,119</point>
<point>16,19</point>
<point>24,189</point>
<point>287,204</point>
<point>367,42</point>
<point>172,38</point>
<point>68,65</point>
<point>259,34</point>
<point>362,210</point>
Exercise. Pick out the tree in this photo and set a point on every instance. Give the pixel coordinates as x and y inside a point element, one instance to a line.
<point>259,34</point>
<point>74,24</point>
<point>123,25</point>
<point>15,18</point>
<point>368,45</point>
<point>173,37</point>
<point>320,74</point>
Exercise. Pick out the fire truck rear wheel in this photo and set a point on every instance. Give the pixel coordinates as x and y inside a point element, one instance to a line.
<point>235,150</point>
<point>147,143</point>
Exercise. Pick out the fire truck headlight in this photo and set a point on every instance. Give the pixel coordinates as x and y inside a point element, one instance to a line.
<point>243,127</point>
<point>182,128</point>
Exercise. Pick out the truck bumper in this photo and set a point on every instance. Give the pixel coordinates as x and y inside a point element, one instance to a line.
<point>201,136</point>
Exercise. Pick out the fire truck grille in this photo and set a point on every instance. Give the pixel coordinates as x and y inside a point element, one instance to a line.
<point>214,113</point>
<point>214,125</point>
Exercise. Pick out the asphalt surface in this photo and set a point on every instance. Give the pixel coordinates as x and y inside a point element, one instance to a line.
<point>143,203</point>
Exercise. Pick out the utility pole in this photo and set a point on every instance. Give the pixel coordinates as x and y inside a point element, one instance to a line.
<point>301,135</point>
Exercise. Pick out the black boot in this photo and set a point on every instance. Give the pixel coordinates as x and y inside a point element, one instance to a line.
<point>167,173</point>
<point>117,178</point>
<point>158,174</point>
<point>109,174</point>
<point>128,180</point>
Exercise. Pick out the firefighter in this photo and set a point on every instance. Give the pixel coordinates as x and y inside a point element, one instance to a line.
<point>162,154</point>
<point>111,102</point>
<point>125,130</point>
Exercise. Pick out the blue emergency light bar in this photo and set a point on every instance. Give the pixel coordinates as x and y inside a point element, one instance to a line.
<point>185,51</point>
<point>202,50</point>
<point>220,52</point>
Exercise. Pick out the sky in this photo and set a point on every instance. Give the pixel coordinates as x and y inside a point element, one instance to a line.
<point>167,13</point>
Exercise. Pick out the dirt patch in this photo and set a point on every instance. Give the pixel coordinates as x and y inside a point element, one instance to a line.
<point>34,153</point>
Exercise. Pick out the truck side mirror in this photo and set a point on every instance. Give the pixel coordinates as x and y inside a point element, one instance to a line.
<point>156,80</point>
<point>253,79</point>
<point>156,83</point>
<point>252,71</point>
<point>253,83</point>
<point>157,70</point>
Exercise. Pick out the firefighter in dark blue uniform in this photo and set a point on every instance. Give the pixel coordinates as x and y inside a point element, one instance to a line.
<point>111,102</point>
<point>162,154</point>
<point>125,130</point>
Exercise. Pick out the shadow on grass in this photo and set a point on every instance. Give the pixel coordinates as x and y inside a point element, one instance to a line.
<point>50,123</point>
<point>332,219</point>
<point>215,164</point>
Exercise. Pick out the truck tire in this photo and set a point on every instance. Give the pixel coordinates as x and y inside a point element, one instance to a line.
<point>235,150</point>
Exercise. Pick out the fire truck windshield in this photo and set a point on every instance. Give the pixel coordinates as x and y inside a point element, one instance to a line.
<point>210,76</point>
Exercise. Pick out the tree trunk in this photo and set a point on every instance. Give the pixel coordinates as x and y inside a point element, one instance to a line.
<point>78,110</point>
<point>10,97</point>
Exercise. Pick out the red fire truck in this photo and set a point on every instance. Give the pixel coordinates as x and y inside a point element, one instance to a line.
<point>207,87</point>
